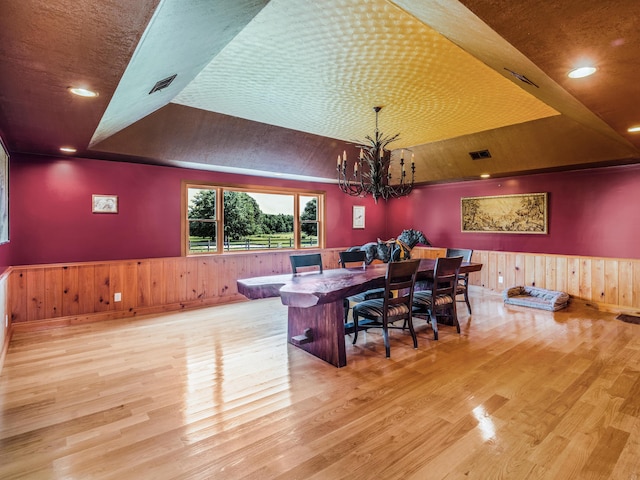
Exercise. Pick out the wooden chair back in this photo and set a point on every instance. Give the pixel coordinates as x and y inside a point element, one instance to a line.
<point>462,287</point>
<point>349,258</point>
<point>445,276</point>
<point>465,253</point>
<point>306,261</point>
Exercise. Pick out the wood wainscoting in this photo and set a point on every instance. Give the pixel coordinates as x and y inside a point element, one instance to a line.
<point>428,252</point>
<point>611,284</point>
<point>45,296</point>
<point>5,329</point>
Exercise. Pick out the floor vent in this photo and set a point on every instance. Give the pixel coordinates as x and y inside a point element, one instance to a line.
<point>480,154</point>
<point>162,84</point>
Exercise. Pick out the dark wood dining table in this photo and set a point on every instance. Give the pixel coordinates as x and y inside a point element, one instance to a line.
<point>315,302</point>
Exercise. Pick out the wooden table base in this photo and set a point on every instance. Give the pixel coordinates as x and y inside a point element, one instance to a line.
<point>326,322</point>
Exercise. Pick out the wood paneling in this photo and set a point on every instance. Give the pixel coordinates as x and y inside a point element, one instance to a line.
<point>54,295</point>
<point>428,252</point>
<point>5,334</point>
<point>608,283</point>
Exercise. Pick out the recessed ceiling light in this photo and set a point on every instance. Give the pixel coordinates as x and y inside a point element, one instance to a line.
<point>582,72</point>
<point>485,175</point>
<point>68,149</point>
<point>83,92</point>
<point>634,129</point>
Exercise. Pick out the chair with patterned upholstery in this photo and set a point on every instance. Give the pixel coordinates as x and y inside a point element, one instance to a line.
<point>384,312</point>
<point>440,301</point>
<point>357,259</point>
<point>463,280</point>
<point>307,261</point>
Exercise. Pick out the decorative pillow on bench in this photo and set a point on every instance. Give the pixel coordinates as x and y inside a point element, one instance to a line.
<point>536,297</point>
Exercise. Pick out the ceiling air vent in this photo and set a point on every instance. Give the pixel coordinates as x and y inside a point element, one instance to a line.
<point>480,154</point>
<point>163,84</point>
<point>521,77</point>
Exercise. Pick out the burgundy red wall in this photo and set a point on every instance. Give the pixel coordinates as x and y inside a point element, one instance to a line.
<point>5,257</point>
<point>591,212</point>
<point>51,219</point>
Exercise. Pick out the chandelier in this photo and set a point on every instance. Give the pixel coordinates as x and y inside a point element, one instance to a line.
<point>370,173</point>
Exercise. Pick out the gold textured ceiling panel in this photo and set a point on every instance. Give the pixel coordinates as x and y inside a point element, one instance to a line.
<point>548,144</point>
<point>320,67</point>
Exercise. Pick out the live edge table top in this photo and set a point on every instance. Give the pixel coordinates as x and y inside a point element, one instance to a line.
<point>313,288</point>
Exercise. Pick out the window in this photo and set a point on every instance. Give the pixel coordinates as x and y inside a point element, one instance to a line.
<point>223,218</point>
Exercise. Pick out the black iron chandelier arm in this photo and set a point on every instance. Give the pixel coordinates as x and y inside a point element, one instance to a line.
<point>371,170</point>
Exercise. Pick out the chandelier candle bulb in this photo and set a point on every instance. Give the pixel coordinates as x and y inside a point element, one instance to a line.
<point>339,161</point>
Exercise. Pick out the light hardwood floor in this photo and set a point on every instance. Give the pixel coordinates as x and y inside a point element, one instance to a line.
<point>217,393</point>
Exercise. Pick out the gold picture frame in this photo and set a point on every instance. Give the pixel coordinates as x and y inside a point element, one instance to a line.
<point>520,213</point>
<point>358,216</point>
<point>104,203</point>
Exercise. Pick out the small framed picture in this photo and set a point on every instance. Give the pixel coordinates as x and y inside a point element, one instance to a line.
<point>104,203</point>
<point>358,216</point>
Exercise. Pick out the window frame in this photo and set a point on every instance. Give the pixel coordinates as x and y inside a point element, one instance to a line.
<point>220,188</point>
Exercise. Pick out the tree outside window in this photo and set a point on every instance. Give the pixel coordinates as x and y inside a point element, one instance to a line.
<point>251,219</point>
<point>309,221</point>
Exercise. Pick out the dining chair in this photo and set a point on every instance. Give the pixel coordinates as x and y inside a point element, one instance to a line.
<point>462,288</point>
<point>357,258</point>
<point>306,261</point>
<point>441,299</point>
<point>383,312</point>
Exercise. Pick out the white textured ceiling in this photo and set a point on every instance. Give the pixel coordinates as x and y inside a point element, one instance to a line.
<point>318,67</point>
<point>182,37</point>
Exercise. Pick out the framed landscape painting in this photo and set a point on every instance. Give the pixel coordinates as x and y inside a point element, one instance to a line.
<point>4,194</point>
<point>522,213</point>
